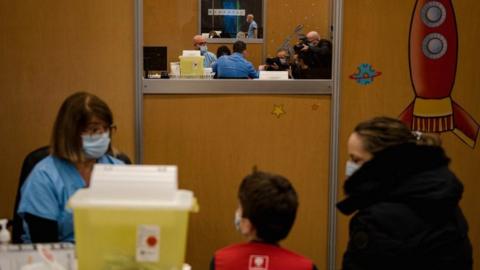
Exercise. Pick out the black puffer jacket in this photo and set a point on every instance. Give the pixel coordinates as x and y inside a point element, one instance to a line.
<point>408,215</point>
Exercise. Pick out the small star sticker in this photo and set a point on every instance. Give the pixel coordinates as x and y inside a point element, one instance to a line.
<point>278,110</point>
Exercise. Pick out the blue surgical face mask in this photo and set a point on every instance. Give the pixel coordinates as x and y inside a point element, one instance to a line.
<point>237,220</point>
<point>95,146</point>
<point>351,167</point>
<point>203,49</point>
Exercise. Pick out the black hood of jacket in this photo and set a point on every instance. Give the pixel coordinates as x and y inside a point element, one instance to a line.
<point>413,174</point>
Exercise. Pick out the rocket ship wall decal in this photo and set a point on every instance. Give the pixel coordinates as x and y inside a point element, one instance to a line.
<point>433,46</point>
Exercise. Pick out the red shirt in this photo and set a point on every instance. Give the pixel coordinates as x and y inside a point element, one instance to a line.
<point>259,256</point>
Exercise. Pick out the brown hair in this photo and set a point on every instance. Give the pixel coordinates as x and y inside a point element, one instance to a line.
<point>239,46</point>
<point>270,203</point>
<point>382,132</point>
<point>72,118</point>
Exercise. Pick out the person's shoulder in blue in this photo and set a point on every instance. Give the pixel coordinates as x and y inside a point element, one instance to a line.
<point>235,65</point>
<point>47,189</point>
<point>267,209</point>
<point>209,59</point>
<point>81,138</point>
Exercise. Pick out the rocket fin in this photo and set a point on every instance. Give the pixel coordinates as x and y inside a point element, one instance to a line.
<point>466,128</point>
<point>407,116</point>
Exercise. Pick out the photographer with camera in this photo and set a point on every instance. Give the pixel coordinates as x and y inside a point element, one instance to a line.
<point>313,57</point>
<point>278,63</point>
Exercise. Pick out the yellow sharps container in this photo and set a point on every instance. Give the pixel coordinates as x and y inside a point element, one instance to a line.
<point>191,66</point>
<point>139,224</point>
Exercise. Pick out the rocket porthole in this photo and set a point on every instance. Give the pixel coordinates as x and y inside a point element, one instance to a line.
<point>433,14</point>
<point>434,46</point>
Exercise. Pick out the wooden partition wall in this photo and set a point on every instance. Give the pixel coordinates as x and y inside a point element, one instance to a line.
<point>173,24</point>
<point>48,50</point>
<point>216,140</point>
<point>284,15</point>
<point>377,33</point>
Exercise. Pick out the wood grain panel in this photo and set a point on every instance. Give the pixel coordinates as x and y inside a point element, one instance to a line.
<point>376,32</point>
<point>48,50</point>
<point>284,15</point>
<point>466,93</point>
<point>216,140</point>
<point>170,23</point>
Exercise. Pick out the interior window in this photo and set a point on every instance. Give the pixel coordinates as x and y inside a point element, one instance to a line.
<point>280,35</point>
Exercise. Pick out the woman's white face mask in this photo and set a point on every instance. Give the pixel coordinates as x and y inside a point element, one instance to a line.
<point>358,155</point>
<point>351,167</point>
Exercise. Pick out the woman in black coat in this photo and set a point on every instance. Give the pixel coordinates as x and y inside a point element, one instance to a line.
<point>405,201</point>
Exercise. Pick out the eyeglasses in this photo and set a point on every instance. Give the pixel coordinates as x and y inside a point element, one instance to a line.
<point>96,128</point>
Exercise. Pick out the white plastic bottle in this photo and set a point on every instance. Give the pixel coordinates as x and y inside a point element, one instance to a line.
<point>4,235</point>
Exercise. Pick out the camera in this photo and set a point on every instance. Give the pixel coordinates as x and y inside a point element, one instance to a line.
<point>299,46</point>
<point>271,61</point>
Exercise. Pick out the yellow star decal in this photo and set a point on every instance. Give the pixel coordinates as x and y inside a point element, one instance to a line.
<point>278,110</point>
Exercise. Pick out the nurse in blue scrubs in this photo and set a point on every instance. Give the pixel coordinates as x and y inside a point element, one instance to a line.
<point>81,137</point>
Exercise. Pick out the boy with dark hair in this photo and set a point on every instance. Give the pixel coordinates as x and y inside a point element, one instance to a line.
<point>267,211</point>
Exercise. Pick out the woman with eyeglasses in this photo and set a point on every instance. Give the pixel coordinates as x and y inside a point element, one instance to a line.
<point>404,200</point>
<point>81,137</point>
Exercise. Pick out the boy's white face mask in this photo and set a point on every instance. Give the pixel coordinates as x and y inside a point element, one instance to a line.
<point>238,218</point>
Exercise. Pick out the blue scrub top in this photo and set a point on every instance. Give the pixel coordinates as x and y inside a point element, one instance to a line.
<point>234,66</point>
<point>251,29</point>
<point>209,59</point>
<point>47,189</point>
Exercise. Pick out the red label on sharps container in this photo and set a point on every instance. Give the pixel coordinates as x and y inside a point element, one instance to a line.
<point>148,243</point>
